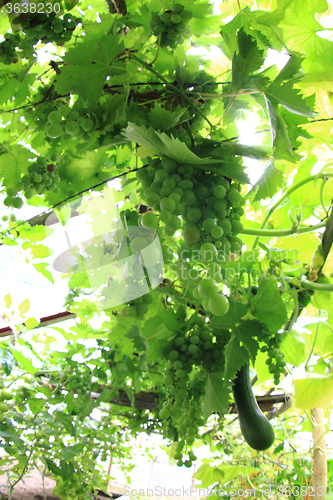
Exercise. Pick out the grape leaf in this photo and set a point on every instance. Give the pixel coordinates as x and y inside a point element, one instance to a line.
<point>314,392</point>
<point>163,119</point>
<point>41,268</point>
<point>87,65</point>
<point>280,140</point>
<point>7,360</point>
<point>269,306</point>
<point>268,184</point>
<point>289,97</point>
<point>241,347</point>
<point>13,164</point>
<point>217,395</point>
<point>8,300</point>
<point>24,307</point>
<point>249,59</point>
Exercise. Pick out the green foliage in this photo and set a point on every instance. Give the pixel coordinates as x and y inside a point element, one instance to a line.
<point>123,99</point>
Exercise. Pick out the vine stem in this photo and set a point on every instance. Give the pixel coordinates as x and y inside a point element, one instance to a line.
<point>287,193</point>
<point>313,343</point>
<point>322,287</point>
<point>282,232</point>
<point>173,87</point>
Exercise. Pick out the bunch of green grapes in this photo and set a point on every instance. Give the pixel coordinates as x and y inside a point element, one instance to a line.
<point>41,177</point>
<point>208,293</point>
<point>207,207</point>
<point>275,361</point>
<point>172,25</point>
<point>8,47</point>
<point>138,307</point>
<point>68,123</point>
<point>47,27</point>
<point>189,356</point>
<point>81,382</point>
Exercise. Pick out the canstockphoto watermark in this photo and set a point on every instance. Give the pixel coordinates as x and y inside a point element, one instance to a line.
<point>191,491</point>
<point>117,261</point>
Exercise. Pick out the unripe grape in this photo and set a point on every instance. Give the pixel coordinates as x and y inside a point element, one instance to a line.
<point>218,305</point>
<point>219,192</point>
<point>194,214</point>
<point>167,204</point>
<point>208,287</point>
<point>17,202</point>
<point>191,235</point>
<point>208,224</point>
<point>217,232</point>
<point>149,220</point>
<point>54,131</point>
<point>55,117</point>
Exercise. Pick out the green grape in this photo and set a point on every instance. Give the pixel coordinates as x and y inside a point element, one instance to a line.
<point>164,413</point>
<point>55,117</point>
<point>192,348</point>
<point>147,299</point>
<point>176,18</point>
<point>196,293</point>
<point>8,201</point>
<point>169,183</point>
<point>88,124</point>
<point>142,308</point>
<point>218,305</point>
<point>72,127</point>
<point>173,355</point>
<point>54,130</point>
<point>191,235</point>
<point>132,311</point>
<point>234,197</point>
<point>149,220</point>
<point>235,247</point>
<point>74,115</point>
<point>5,218</point>
<point>203,193</point>
<point>208,224</point>
<point>19,186</point>
<point>167,204</point>
<point>205,304</point>
<point>17,202</point>
<point>217,232</point>
<point>208,287</point>
<point>186,15</point>
<point>138,244</point>
<point>236,226</point>
<point>11,191</point>
<point>37,178</point>
<point>161,175</point>
<point>165,17</point>
<point>188,197</point>
<point>225,224</point>
<point>165,216</point>
<point>159,28</point>
<point>219,192</point>
<point>177,8</point>
<point>208,252</point>
<point>194,214</point>
<point>174,223</point>
<point>169,165</point>
<point>179,373</point>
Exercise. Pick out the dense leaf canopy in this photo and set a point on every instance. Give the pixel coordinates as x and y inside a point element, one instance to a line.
<point>214,122</point>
